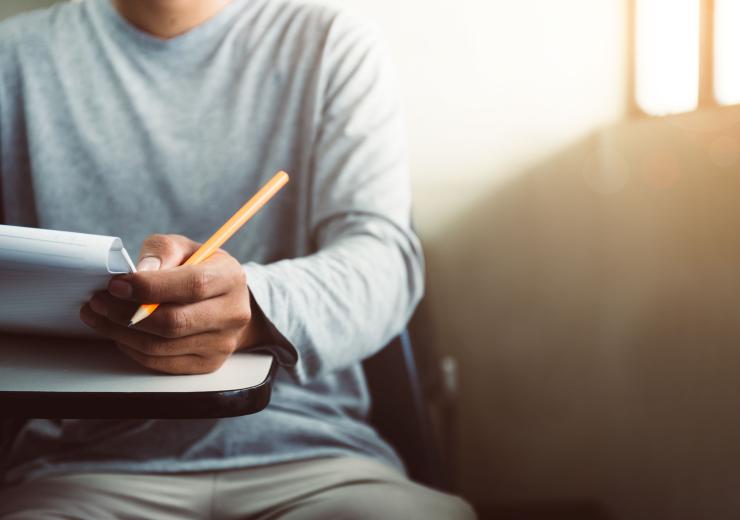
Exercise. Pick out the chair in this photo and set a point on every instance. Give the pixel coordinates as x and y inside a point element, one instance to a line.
<point>401,411</point>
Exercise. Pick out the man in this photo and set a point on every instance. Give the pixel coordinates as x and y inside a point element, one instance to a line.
<point>126,117</point>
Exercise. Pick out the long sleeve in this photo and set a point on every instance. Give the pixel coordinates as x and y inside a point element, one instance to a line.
<point>341,304</point>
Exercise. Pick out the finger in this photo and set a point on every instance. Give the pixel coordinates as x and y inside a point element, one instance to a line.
<point>216,276</point>
<point>206,345</point>
<point>110,307</point>
<point>157,252</point>
<point>141,341</point>
<point>177,365</point>
<point>172,320</point>
<point>165,252</point>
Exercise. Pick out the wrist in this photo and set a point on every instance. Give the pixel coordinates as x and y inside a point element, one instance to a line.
<point>257,330</point>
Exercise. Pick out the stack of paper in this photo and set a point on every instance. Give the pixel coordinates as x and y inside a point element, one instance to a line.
<point>47,276</point>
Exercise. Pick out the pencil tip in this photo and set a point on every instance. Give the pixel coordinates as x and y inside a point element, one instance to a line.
<point>139,315</point>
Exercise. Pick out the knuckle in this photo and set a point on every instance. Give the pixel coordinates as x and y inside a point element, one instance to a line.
<point>246,310</point>
<point>156,348</point>
<point>229,346</point>
<point>167,248</point>
<point>199,284</point>
<point>240,277</point>
<point>176,323</point>
<point>146,289</point>
<point>241,313</point>
<point>179,238</point>
<point>158,242</point>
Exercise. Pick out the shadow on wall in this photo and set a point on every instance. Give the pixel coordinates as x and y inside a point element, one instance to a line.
<point>594,308</point>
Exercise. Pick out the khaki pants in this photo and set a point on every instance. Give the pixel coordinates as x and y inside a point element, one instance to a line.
<point>351,488</point>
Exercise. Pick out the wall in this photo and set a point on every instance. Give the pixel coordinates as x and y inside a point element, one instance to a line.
<point>492,87</point>
<point>603,295</point>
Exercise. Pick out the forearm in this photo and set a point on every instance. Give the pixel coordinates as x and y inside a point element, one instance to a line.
<point>339,305</point>
<point>343,303</point>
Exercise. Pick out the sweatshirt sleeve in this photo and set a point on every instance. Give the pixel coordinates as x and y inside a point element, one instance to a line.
<point>342,303</point>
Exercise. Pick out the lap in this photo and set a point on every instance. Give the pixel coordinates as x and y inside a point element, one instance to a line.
<point>343,487</point>
<point>106,496</point>
<point>352,488</point>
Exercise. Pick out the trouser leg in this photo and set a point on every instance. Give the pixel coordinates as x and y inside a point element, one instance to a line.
<point>92,496</point>
<point>343,487</point>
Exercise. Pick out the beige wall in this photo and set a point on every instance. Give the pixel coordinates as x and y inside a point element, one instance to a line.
<point>494,86</point>
<point>597,324</point>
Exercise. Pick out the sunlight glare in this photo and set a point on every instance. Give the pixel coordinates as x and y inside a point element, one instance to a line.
<point>726,51</point>
<point>667,58</point>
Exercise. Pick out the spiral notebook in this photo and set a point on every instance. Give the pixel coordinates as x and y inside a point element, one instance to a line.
<point>46,276</point>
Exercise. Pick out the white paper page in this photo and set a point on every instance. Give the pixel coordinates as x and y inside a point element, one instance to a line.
<point>46,276</point>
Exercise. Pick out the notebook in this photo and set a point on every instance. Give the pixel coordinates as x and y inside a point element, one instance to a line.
<point>46,276</point>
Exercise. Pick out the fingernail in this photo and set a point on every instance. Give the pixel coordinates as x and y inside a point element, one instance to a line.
<point>87,319</point>
<point>99,307</point>
<point>149,263</point>
<point>120,289</point>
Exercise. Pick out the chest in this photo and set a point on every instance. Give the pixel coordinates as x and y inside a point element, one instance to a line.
<point>125,143</point>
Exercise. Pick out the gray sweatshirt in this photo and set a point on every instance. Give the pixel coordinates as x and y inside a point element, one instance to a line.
<point>106,129</point>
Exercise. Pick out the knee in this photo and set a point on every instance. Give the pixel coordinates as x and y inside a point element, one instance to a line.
<point>442,506</point>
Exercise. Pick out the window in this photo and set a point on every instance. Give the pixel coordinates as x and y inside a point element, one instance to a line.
<point>727,51</point>
<point>686,54</point>
<point>667,59</point>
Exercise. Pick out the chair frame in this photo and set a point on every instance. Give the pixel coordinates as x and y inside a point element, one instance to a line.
<point>400,411</point>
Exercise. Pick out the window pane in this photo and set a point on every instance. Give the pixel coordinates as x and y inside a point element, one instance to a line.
<point>727,51</point>
<point>667,55</point>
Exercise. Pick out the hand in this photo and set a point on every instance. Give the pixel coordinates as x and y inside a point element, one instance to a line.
<point>204,315</point>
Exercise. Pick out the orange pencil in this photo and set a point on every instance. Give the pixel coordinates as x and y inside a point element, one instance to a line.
<point>218,239</point>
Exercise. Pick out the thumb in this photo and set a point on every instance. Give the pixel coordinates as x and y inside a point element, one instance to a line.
<point>164,252</point>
